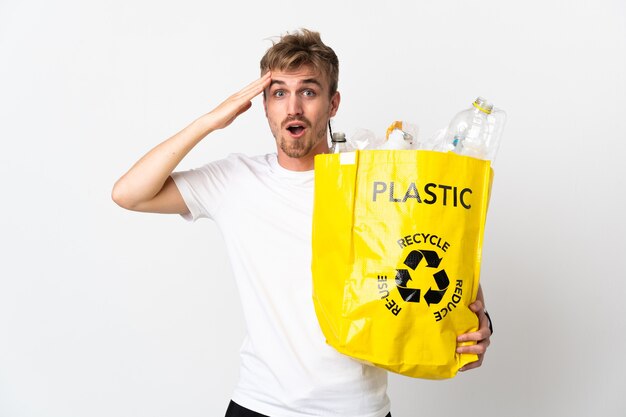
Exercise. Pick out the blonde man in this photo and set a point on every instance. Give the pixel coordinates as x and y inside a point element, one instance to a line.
<point>263,205</point>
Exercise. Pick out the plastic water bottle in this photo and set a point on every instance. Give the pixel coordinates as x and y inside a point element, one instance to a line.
<point>339,143</point>
<point>476,131</point>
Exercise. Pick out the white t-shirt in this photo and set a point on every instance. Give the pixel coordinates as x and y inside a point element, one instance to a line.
<point>287,370</point>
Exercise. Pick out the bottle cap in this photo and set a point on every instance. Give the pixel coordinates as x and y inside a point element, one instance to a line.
<point>483,105</point>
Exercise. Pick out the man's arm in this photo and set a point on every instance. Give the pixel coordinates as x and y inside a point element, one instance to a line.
<point>481,336</point>
<point>148,187</point>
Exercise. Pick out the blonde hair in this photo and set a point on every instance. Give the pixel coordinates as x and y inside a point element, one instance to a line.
<point>302,48</point>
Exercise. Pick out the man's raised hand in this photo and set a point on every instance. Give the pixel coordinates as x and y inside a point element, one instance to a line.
<point>224,114</point>
<point>147,185</point>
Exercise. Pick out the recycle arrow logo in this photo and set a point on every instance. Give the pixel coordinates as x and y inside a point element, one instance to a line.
<point>403,276</point>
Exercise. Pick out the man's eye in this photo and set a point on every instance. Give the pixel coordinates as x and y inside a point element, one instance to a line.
<point>279,93</point>
<point>309,93</point>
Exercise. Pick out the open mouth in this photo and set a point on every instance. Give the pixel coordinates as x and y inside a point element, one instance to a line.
<point>296,130</point>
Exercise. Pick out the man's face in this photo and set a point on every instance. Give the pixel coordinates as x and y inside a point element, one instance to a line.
<point>298,107</point>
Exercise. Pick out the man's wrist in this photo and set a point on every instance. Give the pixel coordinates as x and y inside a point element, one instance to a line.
<point>206,124</point>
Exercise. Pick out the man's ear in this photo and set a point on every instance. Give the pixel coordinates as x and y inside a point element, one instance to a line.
<point>334,103</point>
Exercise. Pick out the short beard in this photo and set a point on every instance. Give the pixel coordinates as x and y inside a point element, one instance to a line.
<point>299,149</point>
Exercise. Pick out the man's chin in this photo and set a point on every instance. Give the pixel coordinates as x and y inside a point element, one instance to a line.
<point>294,151</point>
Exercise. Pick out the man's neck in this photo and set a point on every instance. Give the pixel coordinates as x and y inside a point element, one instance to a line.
<point>306,163</point>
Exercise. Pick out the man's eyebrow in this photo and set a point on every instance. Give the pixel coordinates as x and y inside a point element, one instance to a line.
<point>312,81</point>
<point>307,81</point>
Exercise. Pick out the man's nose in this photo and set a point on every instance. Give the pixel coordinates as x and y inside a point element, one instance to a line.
<point>295,106</point>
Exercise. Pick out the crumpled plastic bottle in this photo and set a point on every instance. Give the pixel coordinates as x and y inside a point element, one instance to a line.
<point>476,131</point>
<point>401,135</point>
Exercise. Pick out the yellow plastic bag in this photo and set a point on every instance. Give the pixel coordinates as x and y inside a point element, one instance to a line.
<point>397,239</point>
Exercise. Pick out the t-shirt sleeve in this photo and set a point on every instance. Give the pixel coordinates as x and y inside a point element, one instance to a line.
<point>202,189</point>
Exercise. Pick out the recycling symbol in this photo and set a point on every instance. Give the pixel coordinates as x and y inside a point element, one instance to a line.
<point>403,276</point>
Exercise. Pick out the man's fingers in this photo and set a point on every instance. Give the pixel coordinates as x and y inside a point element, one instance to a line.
<point>483,331</point>
<point>470,337</point>
<point>477,349</point>
<point>476,336</point>
<point>238,103</point>
<point>255,88</point>
<point>477,306</point>
<point>481,337</point>
<point>243,97</point>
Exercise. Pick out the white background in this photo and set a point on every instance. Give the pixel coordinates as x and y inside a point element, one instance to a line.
<point>105,312</point>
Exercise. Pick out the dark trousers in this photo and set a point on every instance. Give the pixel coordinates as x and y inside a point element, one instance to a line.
<point>235,410</point>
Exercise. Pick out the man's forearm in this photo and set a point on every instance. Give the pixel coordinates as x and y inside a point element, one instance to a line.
<point>146,177</point>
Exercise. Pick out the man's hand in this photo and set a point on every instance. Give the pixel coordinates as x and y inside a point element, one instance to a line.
<point>481,337</point>
<point>224,114</point>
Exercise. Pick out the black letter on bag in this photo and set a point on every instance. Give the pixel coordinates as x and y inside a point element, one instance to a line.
<point>445,192</point>
<point>430,193</point>
<point>463,191</point>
